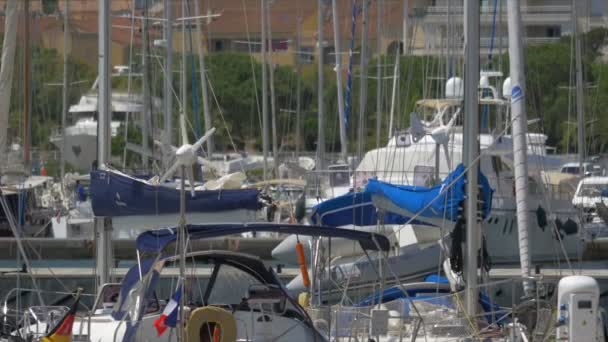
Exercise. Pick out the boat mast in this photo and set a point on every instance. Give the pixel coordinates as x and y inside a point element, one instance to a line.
<point>396,69</point>
<point>182,251</point>
<point>6,73</point>
<point>394,94</point>
<point>379,7</point>
<point>321,114</point>
<point>363,86</point>
<point>147,113</point>
<point>64,94</point>
<point>298,86</point>
<point>520,128</point>
<point>406,10</point>
<point>167,87</point>
<point>26,86</point>
<point>273,110</point>
<point>471,151</point>
<point>103,230</point>
<point>182,75</point>
<point>338,57</point>
<point>580,99</point>
<point>205,95</point>
<point>264,92</point>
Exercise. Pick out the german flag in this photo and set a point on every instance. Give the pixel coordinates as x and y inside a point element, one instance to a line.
<point>62,332</point>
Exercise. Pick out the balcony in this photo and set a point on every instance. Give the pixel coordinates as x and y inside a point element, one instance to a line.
<point>530,14</point>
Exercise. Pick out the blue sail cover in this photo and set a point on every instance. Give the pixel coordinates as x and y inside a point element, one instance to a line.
<point>354,208</point>
<point>433,202</point>
<point>114,194</point>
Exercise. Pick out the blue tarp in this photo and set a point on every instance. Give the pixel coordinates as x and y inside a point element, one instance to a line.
<point>358,209</point>
<point>433,202</point>
<point>154,241</point>
<point>114,194</point>
<point>353,208</point>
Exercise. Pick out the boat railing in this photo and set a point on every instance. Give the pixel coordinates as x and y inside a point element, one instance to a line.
<point>34,320</point>
<point>438,314</point>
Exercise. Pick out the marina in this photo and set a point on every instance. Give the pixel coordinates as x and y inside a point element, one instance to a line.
<point>331,170</point>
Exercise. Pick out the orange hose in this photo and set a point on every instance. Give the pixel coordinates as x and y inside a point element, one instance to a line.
<point>216,333</point>
<point>302,262</point>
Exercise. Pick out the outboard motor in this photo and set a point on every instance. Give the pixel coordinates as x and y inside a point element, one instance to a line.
<point>578,315</point>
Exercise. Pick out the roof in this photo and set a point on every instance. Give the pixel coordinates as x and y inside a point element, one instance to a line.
<point>239,17</point>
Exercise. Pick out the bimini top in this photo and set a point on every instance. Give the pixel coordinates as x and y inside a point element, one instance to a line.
<point>154,241</point>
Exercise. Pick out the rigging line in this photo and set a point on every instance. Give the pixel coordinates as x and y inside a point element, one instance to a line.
<point>252,62</point>
<point>22,253</point>
<point>49,268</point>
<point>349,81</point>
<point>195,112</point>
<point>555,230</point>
<point>129,80</point>
<point>175,95</point>
<point>225,125</point>
<point>492,34</point>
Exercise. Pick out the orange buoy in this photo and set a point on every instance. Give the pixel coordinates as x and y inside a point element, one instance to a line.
<point>217,333</point>
<point>302,262</point>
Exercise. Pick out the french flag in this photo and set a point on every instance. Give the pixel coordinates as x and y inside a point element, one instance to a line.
<point>169,316</point>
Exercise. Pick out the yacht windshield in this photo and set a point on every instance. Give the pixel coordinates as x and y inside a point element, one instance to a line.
<point>230,285</point>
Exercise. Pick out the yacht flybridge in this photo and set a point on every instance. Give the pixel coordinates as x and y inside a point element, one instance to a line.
<point>81,134</point>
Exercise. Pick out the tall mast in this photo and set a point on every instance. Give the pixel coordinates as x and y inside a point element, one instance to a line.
<point>406,10</point>
<point>64,95</point>
<point>205,95</point>
<point>264,92</point>
<point>580,99</point>
<point>273,109</point>
<point>363,86</point>
<point>379,8</point>
<point>321,114</point>
<point>26,86</point>
<point>167,89</point>
<point>147,113</point>
<point>9,45</point>
<point>394,94</point>
<point>103,230</point>
<point>471,150</point>
<point>298,87</point>
<point>338,57</point>
<point>520,131</point>
<point>182,75</point>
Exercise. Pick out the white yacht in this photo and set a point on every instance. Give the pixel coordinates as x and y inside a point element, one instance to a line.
<point>81,133</point>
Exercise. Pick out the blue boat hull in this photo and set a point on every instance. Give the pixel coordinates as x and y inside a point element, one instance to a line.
<point>114,194</point>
